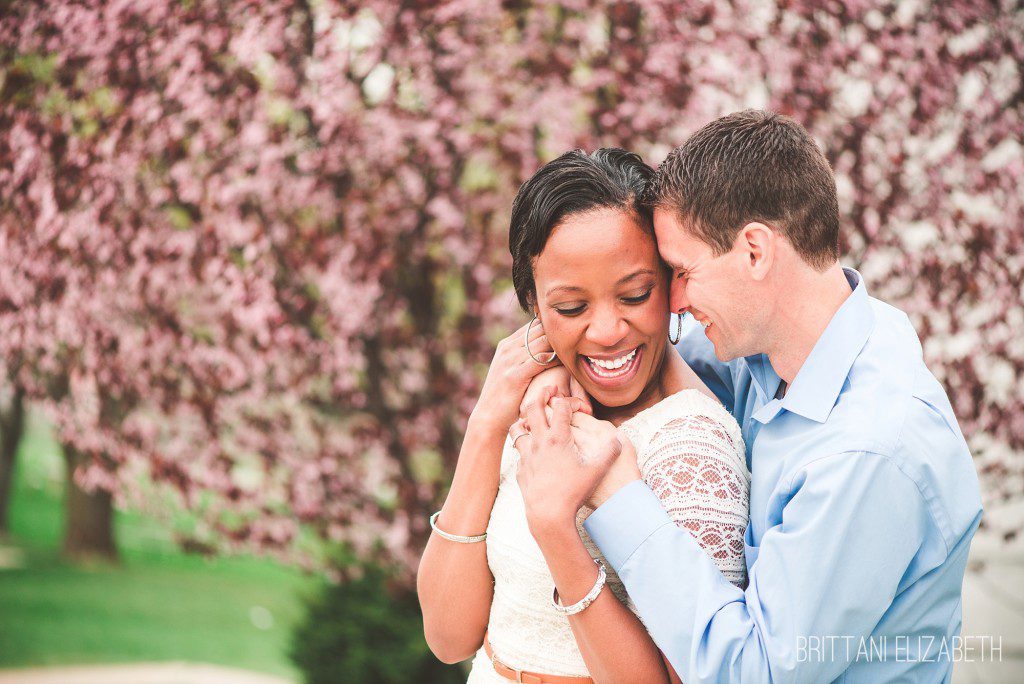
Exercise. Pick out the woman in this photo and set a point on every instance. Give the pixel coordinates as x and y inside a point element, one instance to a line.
<point>586,265</point>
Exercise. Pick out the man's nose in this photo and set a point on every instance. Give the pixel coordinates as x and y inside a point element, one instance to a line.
<point>678,302</point>
<point>607,328</point>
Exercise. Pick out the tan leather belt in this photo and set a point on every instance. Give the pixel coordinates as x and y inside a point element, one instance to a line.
<point>528,677</point>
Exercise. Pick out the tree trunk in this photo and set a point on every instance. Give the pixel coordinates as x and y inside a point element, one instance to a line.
<point>12,426</point>
<point>88,518</point>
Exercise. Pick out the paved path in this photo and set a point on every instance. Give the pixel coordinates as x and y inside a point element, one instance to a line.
<point>138,673</point>
<point>994,601</point>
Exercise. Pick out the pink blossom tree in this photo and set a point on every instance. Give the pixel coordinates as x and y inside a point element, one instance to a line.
<point>256,251</point>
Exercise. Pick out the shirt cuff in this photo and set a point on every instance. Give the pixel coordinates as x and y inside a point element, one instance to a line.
<point>625,521</point>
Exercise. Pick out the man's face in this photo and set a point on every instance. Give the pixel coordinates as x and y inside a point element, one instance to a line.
<point>717,291</point>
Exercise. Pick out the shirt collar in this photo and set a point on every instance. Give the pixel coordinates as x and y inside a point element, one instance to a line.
<point>766,380</point>
<point>816,387</point>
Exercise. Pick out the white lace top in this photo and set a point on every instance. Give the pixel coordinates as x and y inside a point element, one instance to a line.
<point>690,452</point>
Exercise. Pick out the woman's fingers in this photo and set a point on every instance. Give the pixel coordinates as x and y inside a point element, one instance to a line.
<point>576,390</point>
<point>524,445</point>
<point>536,345</point>
<point>536,331</point>
<point>577,405</point>
<point>561,415</point>
<point>539,345</point>
<point>518,339</point>
<point>531,368</point>
<point>535,415</point>
<point>585,421</point>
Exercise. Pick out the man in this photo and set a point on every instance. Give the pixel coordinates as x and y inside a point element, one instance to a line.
<point>864,497</point>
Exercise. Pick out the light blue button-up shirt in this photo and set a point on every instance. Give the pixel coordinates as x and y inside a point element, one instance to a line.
<point>863,503</point>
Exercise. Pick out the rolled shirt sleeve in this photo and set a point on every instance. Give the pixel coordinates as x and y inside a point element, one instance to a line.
<point>850,526</point>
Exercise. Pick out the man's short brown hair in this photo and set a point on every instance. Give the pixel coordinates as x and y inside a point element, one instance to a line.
<point>753,166</point>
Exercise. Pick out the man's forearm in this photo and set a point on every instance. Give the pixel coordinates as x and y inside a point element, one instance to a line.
<point>827,571</point>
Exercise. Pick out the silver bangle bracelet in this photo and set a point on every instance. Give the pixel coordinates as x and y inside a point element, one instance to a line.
<point>582,604</point>
<point>454,537</point>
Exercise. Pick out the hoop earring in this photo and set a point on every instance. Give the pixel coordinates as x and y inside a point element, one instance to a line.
<point>526,343</point>
<point>679,329</point>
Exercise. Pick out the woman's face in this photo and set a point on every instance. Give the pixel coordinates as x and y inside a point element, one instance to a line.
<point>602,298</point>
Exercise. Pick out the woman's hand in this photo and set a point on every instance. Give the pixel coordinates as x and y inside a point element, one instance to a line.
<point>509,375</point>
<point>555,381</point>
<point>570,459</point>
<point>556,474</point>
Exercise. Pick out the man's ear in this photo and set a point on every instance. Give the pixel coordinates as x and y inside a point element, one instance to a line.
<point>758,244</point>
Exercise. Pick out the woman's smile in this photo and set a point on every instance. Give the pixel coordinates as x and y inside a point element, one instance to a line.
<point>613,371</point>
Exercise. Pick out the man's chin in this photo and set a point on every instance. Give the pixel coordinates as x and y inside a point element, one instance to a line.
<point>722,354</point>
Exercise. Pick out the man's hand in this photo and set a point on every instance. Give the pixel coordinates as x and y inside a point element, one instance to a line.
<point>556,474</point>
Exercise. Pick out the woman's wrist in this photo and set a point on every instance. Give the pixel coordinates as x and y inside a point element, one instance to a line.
<point>483,443</point>
<point>475,483</point>
<point>570,564</point>
<point>553,530</point>
<point>486,424</point>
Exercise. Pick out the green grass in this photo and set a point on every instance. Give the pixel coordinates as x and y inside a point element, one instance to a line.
<point>157,604</point>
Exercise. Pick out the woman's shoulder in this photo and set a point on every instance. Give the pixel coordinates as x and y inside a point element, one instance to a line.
<point>684,403</point>
<point>688,411</point>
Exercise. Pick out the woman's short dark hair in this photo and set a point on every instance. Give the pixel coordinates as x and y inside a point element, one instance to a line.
<point>753,166</point>
<point>574,183</point>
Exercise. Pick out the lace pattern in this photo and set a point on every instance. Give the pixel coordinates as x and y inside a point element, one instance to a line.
<point>690,452</point>
<point>698,471</point>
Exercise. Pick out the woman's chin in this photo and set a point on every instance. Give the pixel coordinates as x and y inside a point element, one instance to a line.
<point>611,398</point>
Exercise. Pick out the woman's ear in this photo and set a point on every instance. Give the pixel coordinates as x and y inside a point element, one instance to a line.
<point>758,242</point>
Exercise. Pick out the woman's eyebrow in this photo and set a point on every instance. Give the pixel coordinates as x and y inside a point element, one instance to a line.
<point>620,281</point>
<point>635,274</point>
<point>564,288</point>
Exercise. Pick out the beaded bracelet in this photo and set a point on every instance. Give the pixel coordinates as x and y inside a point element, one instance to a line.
<point>582,604</point>
<point>454,537</point>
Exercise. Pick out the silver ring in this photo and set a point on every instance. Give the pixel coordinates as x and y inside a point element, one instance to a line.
<point>518,437</point>
<point>526,343</point>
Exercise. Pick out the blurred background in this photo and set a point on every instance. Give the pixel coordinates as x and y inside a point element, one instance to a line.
<point>253,263</point>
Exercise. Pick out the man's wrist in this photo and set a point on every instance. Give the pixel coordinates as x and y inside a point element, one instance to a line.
<point>613,482</point>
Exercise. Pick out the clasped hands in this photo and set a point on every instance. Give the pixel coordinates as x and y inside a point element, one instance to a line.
<point>569,459</point>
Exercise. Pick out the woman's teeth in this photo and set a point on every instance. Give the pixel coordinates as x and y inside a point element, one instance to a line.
<point>603,366</point>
